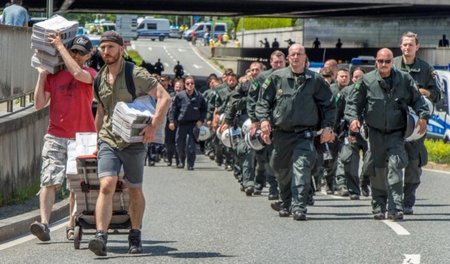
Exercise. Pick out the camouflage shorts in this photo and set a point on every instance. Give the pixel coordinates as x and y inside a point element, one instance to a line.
<point>54,159</point>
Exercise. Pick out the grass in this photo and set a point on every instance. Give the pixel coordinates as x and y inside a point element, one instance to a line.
<point>438,151</point>
<point>21,195</point>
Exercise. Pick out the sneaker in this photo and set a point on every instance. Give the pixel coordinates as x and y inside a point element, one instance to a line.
<point>343,191</point>
<point>257,191</point>
<point>40,230</point>
<point>134,242</point>
<point>98,244</point>
<point>276,206</point>
<point>249,191</point>
<point>408,210</point>
<point>396,216</point>
<point>354,197</point>
<point>379,216</point>
<point>299,216</point>
<point>284,212</point>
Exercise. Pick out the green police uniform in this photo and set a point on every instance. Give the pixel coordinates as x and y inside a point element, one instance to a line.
<point>425,77</point>
<point>380,101</point>
<point>264,171</point>
<point>297,105</point>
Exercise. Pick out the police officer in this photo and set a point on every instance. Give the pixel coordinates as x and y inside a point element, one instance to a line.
<point>263,168</point>
<point>295,101</point>
<point>425,77</point>
<point>381,96</point>
<point>158,67</point>
<point>188,110</point>
<point>178,70</point>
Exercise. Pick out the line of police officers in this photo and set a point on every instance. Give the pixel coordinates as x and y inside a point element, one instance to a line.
<point>303,125</point>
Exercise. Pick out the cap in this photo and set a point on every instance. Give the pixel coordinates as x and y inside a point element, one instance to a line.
<point>82,44</point>
<point>112,36</point>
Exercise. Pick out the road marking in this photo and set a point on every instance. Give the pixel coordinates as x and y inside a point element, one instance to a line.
<point>437,171</point>
<point>166,64</point>
<point>53,227</point>
<point>400,230</point>
<point>133,46</point>
<point>181,50</point>
<point>411,259</point>
<point>149,48</point>
<point>197,66</point>
<point>203,59</point>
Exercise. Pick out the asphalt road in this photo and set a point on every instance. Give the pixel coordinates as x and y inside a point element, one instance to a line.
<point>172,50</point>
<point>201,216</point>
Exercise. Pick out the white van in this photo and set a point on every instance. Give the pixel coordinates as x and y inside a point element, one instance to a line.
<point>439,123</point>
<point>201,27</point>
<point>153,28</point>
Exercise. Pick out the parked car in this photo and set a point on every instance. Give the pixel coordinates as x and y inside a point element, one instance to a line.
<point>439,124</point>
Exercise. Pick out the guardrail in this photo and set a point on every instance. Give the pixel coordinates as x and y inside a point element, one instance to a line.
<point>17,77</point>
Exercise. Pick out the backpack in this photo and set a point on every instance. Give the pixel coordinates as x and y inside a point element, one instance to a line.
<point>128,80</point>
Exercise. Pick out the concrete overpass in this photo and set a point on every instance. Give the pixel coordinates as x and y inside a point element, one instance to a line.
<point>282,8</point>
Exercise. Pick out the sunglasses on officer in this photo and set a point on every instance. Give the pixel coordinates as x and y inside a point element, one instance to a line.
<point>380,61</point>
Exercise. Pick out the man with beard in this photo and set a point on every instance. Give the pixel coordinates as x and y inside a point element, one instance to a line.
<point>113,151</point>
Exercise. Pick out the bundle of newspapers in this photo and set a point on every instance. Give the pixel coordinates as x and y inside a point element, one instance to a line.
<point>130,118</point>
<point>46,56</point>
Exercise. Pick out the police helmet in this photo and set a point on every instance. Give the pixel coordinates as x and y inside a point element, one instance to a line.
<point>203,133</point>
<point>221,118</point>
<point>231,136</point>
<point>246,126</point>
<point>429,104</point>
<point>412,130</point>
<point>255,142</point>
<point>364,132</point>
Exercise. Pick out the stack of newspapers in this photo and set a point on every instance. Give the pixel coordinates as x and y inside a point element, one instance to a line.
<point>130,118</point>
<point>46,56</point>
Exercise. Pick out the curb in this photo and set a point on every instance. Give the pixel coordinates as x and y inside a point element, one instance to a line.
<point>19,225</point>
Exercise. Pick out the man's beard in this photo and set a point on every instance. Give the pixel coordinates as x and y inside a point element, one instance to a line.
<point>111,59</point>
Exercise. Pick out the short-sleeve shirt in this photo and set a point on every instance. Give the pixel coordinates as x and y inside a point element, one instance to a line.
<point>15,15</point>
<point>70,104</point>
<point>118,92</point>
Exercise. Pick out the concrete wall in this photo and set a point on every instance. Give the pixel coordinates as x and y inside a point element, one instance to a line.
<point>251,38</point>
<point>21,141</point>
<point>374,32</point>
<point>17,77</point>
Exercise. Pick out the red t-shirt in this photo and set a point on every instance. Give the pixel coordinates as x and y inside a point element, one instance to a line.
<point>70,104</point>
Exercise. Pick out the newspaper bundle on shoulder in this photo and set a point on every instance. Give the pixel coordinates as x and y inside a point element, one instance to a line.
<point>130,118</point>
<point>46,56</point>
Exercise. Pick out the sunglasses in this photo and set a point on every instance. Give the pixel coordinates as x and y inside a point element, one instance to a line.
<point>384,61</point>
<point>78,52</point>
<point>189,83</point>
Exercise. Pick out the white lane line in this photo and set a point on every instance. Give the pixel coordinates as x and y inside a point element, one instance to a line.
<point>411,259</point>
<point>207,62</point>
<point>437,171</point>
<point>53,227</point>
<point>150,48</point>
<point>166,64</point>
<point>181,50</point>
<point>197,66</point>
<point>400,230</point>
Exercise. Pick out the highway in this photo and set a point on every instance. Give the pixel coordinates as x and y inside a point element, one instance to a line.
<point>201,216</point>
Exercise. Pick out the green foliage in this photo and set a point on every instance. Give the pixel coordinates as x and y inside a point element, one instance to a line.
<point>21,195</point>
<point>252,23</point>
<point>438,151</point>
<point>135,56</point>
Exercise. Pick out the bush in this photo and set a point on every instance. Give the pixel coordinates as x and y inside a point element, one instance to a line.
<point>252,23</point>
<point>438,151</point>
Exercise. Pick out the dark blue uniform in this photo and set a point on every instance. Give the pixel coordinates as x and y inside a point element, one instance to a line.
<point>186,111</point>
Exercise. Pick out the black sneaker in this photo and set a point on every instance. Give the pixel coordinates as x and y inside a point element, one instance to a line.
<point>299,216</point>
<point>98,244</point>
<point>249,191</point>
<point>365,190</point>
<point>408,210</point>
<point>379,216</point>
<point>276,206</point>
<point>134,242</point>
<point>396,216</point>
<point>40,230</point>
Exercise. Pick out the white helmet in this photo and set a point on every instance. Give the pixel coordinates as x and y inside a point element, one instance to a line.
<point>221,118</point>
<point>246,126</point>
<point>231,136</point>
<point>204,133</point>
<point>429,104</point>
<point>255,142</point>
<point>412,130</point>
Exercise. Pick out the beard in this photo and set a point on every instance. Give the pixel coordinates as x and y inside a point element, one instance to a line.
<point>109,60</point>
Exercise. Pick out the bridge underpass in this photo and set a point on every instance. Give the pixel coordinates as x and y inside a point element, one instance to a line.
<point>274,8</point>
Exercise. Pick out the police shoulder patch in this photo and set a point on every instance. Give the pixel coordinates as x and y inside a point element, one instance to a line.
<point>266,84</point>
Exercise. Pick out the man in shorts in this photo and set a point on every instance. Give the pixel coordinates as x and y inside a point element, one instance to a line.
<point>113,151</point>
<point>70,95</point>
